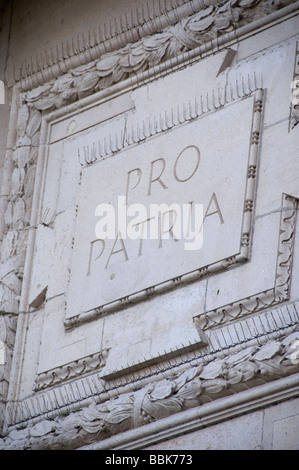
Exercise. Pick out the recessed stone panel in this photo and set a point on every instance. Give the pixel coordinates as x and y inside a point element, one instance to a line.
<point>203,161</point>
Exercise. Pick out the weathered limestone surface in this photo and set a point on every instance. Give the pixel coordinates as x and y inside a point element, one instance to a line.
<point>122,344</point>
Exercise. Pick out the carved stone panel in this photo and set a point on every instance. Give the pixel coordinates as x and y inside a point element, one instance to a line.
<point>177,169</point>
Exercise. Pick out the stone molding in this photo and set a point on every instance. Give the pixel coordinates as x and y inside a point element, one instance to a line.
<point>214,23</point>
<point>139,22</point>
<point>76,394</point>
<point>270,297</point>
<point>71,370</point>
<point>271,323</point>
<point>200,384</point>
<point>294,113</point>
<point>196,386</point>
<point>8,324</point>
<point>198,418</point>
<point>176,116</point>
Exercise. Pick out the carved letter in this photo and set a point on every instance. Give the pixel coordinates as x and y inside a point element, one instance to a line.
<point>119,237</point>
<point>197,155</point>
<point>217,211</point>
<point>157,212</point>
<point>142,235</point>
<point>139,173</point>
<point>174,228</point>
<point>158,178</point>
<point>197,234</point>
<point>135,227</point>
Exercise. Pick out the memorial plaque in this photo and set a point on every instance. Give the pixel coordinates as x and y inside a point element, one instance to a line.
<point>200,168</point>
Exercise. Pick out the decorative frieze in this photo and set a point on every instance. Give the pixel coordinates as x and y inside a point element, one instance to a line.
<point>144,20</point>
<point>198,29</point>
<point>199,384</point>
<point>8,325</point>
<point>230,338</point>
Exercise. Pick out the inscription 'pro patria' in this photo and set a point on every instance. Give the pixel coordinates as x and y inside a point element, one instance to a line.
<point>191,164</point>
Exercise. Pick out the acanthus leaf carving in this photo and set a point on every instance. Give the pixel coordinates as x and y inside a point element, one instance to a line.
<point>8,324</point>
<point>112,67</point>
<point>17,213</point>
<point>18,206</point>
<point>199,384</point>
<point>294,112</point>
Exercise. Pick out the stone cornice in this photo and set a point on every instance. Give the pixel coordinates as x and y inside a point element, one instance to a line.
<point>138,23</point>
<point>80,392</point>
<point>198,418</point>
<point>205,382</point>
<point>218,23</point>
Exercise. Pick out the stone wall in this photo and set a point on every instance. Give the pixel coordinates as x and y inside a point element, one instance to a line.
<point>131,343</point>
